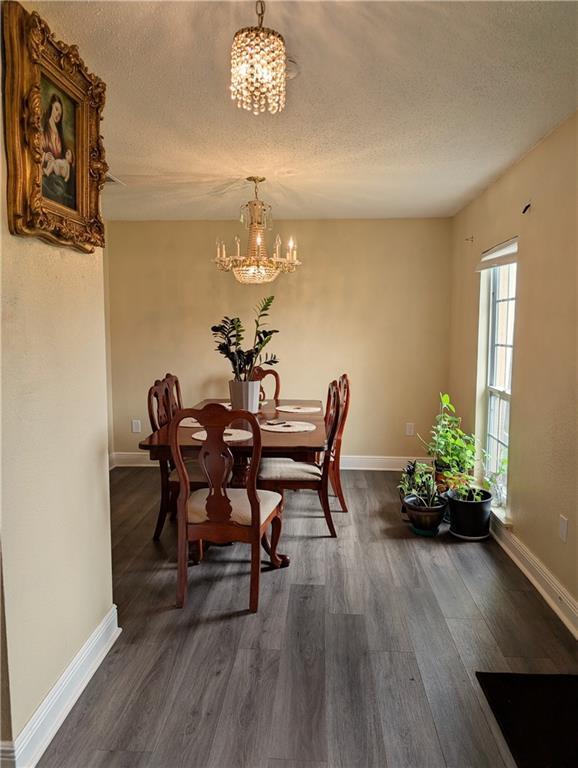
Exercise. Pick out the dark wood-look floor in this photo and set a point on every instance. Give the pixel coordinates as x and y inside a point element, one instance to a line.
<point>363,652</point>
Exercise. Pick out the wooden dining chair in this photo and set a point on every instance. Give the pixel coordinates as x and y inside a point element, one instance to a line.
<point>219,513</point>
<point>344,392</point>
<point>175,399</point>
<point>159,416</point>
<point>260,373</point>
<point>160,409</point>
<point>282,474</point>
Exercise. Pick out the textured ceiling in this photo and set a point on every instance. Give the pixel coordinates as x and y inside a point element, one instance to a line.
<point>399,109</point>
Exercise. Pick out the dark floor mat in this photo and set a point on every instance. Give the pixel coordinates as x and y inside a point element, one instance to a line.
<point>538,715</point>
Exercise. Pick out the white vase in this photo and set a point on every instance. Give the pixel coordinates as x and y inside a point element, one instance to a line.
<point>245,395</point>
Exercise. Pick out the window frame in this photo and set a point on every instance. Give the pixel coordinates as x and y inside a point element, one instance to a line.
<point>490,390</point>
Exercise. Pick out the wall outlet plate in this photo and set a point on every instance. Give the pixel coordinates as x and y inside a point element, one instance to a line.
<point>135,425</point>
<point>409,428</point>
<point>563,528</point>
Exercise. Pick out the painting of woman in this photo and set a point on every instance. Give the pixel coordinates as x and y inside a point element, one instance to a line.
<point>58,139</point>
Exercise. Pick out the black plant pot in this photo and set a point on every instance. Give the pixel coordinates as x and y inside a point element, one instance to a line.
<point>470,519</point>
<point>403,510</point>
<point>441,483</point>
<point>425,521</point>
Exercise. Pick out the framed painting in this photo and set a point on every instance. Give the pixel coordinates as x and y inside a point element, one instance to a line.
<point>55,154</point>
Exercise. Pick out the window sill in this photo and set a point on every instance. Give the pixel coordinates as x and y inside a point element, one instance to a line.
<point>501,515</point>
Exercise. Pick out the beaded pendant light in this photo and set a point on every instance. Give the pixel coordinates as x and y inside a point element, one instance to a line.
<point>258,67</point>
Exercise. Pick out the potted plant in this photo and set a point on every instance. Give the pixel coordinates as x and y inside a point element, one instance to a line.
<point>424,504</point>
<point>229,335</point>
<point>451,448</point>
<point>470,507</point>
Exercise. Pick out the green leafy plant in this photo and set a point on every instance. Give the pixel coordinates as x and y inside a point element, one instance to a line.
<point>462,485</point>
<point>418,480</point>
<point>230,333</point>
<point>451,448</point>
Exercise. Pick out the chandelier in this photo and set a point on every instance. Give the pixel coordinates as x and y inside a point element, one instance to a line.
<point>256,266</point>
<point>258,67</point>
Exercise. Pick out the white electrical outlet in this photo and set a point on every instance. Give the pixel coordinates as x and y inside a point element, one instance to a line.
<point>409,428</point>
<point>135,425</point>
<point>563,528</point>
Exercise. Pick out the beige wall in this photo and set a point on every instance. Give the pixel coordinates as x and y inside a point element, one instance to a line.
<point>5,709</point>
<point>542,463</point>
<point>55,504</point>
<point>372,299</point>
<point>55,526</point>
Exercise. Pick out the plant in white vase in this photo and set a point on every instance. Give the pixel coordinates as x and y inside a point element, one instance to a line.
<point>229,335</point>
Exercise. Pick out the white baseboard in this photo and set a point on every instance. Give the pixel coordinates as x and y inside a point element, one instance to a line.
<point>554,593</point>
<point>377,463</point>
<point>32,741</point>
<point>127,459</point>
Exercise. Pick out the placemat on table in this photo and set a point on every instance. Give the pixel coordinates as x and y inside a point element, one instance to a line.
<point>298,409</point>
<point>289,426</point>
<point>229,435</point>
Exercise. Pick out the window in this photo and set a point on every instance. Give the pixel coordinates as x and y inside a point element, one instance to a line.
<point>501,283</point>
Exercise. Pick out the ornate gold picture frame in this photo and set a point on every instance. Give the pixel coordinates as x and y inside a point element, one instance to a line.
<point>55,154</point>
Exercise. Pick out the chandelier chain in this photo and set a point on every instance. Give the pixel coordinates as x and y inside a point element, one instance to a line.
<point>260,10</point>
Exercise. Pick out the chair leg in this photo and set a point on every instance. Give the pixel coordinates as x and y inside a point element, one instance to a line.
<point>255,574</point>
<point>265,544</point>
<point>182,565</point>
<point>324,499</point>
<point>196,551</point>
<point>336,483</point>
<point>277,559</point>
<point>165,503</point>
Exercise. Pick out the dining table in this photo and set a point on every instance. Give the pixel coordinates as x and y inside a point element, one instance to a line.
<point>273,444</point>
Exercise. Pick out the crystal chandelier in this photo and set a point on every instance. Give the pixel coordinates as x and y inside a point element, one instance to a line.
<point>258,67</point>
<point>256,266</point>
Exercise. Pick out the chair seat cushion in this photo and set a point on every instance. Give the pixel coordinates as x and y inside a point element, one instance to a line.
<point>286,469</point>
<point>196,474</point>
<point>241,507</point>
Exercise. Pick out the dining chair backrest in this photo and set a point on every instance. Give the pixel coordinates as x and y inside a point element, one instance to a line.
<point>175,400</point>
<point>164,400</point>
<point>260,373</point>
<point>158,405</point>
<point>344,398</point>
<point>331,420</point>
<point>328,408</point>
<point>216,460</point>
